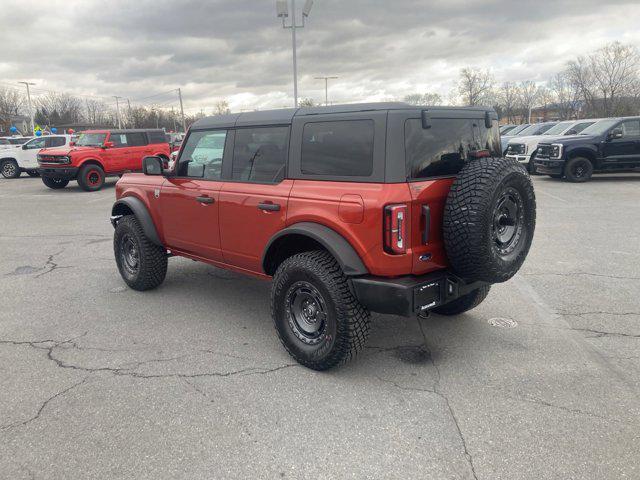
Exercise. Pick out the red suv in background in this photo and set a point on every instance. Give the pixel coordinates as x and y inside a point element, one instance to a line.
<point>98,154</point>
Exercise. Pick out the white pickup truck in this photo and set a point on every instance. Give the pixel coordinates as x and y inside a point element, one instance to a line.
<point>24,158</point>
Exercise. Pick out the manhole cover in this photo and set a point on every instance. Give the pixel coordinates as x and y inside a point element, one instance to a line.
<point>502,322</point>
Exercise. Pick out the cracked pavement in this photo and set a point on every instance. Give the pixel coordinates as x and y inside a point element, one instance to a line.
<point>190,380</point>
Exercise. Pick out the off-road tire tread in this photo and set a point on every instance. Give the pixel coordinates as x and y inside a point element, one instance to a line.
<point>468,213</point>
<point>153,258</point>
<point>352,317</point>
<point>48,181</point>
<point>464,303</point>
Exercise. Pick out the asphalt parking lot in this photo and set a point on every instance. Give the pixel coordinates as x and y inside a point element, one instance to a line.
<point>542,381</point>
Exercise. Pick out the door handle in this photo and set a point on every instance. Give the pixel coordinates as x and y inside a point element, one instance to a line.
<point>269,207</point>
<point>205,199</point>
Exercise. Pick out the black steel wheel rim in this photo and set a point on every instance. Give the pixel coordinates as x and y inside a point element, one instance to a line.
<point>508,221</point>
<point>129,254</point>
<point>306,312</point>
<point>579,169</point>
<point>9,169</point>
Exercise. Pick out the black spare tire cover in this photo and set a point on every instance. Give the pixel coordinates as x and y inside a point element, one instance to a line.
<point>489,219</point>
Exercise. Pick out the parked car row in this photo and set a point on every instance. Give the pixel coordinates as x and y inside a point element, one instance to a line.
<point>575,149</point>
<point>89,159</point>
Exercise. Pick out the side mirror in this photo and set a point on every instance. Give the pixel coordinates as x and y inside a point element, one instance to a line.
<point>488,121</point>
<point>615,133</point>
<point>152,165</point>
<point>72,143</point>
<point>24,147</point>
<point>107,145</point>
<point>426,119</point>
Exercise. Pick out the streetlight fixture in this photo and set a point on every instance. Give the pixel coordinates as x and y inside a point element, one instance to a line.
<point>282,11</point>
<point>326,87</point>
<point>33,123</point>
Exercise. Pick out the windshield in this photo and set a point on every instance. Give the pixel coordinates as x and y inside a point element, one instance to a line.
<point>528,130</point>
<point>559,128</point>
<point>91,139</point>
<point>517,130</point>
<point>600,127</point>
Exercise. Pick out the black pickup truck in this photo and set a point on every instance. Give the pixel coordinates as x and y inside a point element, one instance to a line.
<point>606,146</point>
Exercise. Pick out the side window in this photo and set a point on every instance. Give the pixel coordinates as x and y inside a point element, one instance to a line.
<point>630,128</point>
<point>118,139</point>
<point>202,155</point>
<point>260,154</point>
<point>137,139</point>
<point>37,143</point>
<point>580,126</point>
<point>157,137</point>
<point>341,148</point>
<point>56,142</point>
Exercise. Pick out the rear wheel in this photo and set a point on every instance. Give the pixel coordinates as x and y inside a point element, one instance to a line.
<point>55,183</point>
<point>10,169</point>
<point>91,177</point>
<point>142,263</point>
<point>464,303</point>
<point>578,170</point>
<point>319,321</point>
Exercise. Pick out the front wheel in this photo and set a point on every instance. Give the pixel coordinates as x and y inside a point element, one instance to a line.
<point>319,321</point>
<point>464,303</point>
<point>55,183</point>
<point>578,170</point>
<point>91,177</point>
<point>142,263</point>
<point>10,169</point>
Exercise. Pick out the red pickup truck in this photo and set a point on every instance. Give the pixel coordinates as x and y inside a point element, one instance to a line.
<point>98,154</point>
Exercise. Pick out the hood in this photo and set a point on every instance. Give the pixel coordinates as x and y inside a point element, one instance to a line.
<point>573,139</point>
<point>65,150</point>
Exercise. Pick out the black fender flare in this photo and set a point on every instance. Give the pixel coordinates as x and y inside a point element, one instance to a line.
<point>140,212</point>
<point>335,244</point>
<point>582,150</point>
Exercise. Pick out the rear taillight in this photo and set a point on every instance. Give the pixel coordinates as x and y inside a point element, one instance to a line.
<point>395,229</point>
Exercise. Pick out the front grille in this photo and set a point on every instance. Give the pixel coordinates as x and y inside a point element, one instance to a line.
<point>53,159</point>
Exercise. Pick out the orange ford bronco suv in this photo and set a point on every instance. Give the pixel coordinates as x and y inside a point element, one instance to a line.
<point>349,209</point>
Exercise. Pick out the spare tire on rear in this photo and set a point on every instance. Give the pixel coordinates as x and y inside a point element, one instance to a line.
<point>489,219</point>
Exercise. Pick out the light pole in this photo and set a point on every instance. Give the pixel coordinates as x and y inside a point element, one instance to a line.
<point>184,124</point>
<point>118,110</point>
<point>282,9</point>
<point>33,123</point>
<point>326,87</point>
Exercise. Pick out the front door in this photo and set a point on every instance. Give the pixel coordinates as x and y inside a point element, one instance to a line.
<point>189,202</point>
<point>626,148</point>
<point>27,154</point>
<point>114,158</point>
<point>253,204</point>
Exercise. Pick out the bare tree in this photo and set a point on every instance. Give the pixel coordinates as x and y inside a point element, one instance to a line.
<point>508,96</point>
<point>306,102</point>
<point>221,108</point>
<point>97,112</point>
<point>475,87</point>
<point>566,96</point>
<point>423,99</point>
<point>11,102</point>
<point>527,96</point>
<point>56,108</point>
<point>580,74</point>
<point>615,69</point>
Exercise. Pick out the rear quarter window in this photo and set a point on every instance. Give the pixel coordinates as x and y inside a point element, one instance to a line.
<point>443,149</point>
<point>342,148</point>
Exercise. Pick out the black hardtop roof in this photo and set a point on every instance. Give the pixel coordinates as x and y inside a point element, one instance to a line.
<point>134,130</point>
<point>285,115</point>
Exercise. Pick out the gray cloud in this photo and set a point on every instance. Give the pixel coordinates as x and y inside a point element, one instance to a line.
<point>236,49</point>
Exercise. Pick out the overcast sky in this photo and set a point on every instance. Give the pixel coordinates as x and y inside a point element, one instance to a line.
<point>236,49</point>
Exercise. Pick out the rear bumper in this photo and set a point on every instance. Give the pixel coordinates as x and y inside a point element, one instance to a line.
<point>66,173</point>
<point>549,167</point>
<point>407,296</point>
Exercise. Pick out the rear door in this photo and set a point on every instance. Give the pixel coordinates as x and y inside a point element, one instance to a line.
<point>189,202</point>
<point>137,149</point>
<point>253,202</point>
<point>439,153</point>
